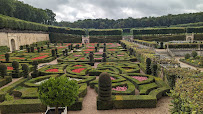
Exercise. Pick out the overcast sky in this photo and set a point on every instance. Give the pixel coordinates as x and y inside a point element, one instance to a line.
<point>72,10</point>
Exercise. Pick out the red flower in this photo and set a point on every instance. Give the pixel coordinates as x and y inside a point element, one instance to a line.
<point>77,55</point>
<point>89,50</point>
<point>44,53</point>
<point>97,58</point>
<point>52,70</point>
<point>119,88</point>
<point>91,47</point>
<point>41,57</point>
<point>9,68</point>
<point>77,65</point>
<point>2,59</point>
<point>78,70</point>
<point>60,47</point>
<point>82,58</point>
<point>111,49</point>
<point>120,55</point>
<point>18,58</point>
<point>139,78</point>
<point>112,78</point>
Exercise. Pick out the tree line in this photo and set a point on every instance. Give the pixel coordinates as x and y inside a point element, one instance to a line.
<point>18,9</point>
<point>163,21</point>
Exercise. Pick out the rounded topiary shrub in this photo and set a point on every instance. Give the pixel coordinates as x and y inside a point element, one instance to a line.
<point>3,70</point>
<point>104,87</point>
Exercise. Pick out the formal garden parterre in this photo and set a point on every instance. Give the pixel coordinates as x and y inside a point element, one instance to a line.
<point>118,61</point>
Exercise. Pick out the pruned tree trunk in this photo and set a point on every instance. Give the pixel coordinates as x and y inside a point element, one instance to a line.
<point>56,110</point>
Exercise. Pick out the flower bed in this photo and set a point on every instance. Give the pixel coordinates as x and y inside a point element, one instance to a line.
<point>139,78</point>
<point>89,50</point>
<point>77,55</point>
<point>111,50</point>
<point>41,57</point>
<point>98,58</point>
<point>9,68</point>
<point>120,88</point>
<point>120,55</point>
<point>78,70</point>
<point>78,66</point>
<point>112,78</point>
<point>52,70</point>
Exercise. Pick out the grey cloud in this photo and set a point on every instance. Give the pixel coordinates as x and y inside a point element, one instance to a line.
<point>72,10</point>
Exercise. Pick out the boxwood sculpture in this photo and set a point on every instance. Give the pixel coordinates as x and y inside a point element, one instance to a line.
<point>96,49</point>
<point>91,58</point>
<point>155,69</point>
<point>7,55</point>
<point>104,100</point>
<point>148,66</point>
<point>32,49</point>
<point>35,71</point>
<point>104,87</point>
<point>38,49</point>
<point>28,49</point>
<point>42,48</point>
<point>25,69</point>
<point>53,53</point>
<point>15,72</point>
<point>66,52</point>
<point>3,70</point>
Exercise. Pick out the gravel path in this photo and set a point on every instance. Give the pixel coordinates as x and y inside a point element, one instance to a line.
<point>13,81</point>
<point>89,106</point>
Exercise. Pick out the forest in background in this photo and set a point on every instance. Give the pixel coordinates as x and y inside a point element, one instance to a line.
<point>20,10</point>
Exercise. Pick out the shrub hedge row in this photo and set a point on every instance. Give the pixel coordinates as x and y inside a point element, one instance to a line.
<point>5,80</point>
<point>184,45</point>
<point>167,30</point>
<point>163,38</point>
<point>66,30</point>
<point>66,38</point>
<point>158,31</point>
<point>107,39</point>
<point>17,24</point>
<point>105,32</point>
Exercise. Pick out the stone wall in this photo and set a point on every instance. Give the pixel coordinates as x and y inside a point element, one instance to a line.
<point>15,40</point>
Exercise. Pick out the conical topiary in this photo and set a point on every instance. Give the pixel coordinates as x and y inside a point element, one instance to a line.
<point>32,49</point>
<point>15,72</point>
<point>42,48</point>
<point>96,49</point>
<point>155,69</point>
<point>38,49</point>
<point>66,52</point>
<point>104,55</point>
<point>148,66</point>
<point>53,53</point>
<point>7,55</point>
<point>104,91</point>
<point>35,71</point>
<point>25,69</point>
<point>3,70</point>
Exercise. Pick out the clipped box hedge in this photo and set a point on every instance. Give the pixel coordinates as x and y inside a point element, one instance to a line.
<point>134,101</point>
<point>5,80</point>
<point>105,32</point>
<point>31,83</point>
<point>106,39</point>
<point>22,106</point>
